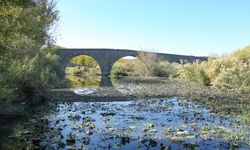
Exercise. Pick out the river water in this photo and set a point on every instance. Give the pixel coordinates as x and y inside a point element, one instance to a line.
<point>154,123</point>
<point>168,123</point>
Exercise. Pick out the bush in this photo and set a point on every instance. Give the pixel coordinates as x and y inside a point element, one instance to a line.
<point>22,79</point>
<point>236,78</point>
<point>229,72</point>
<point>243,54</point>
<point>84,60</point>
<point>194,73</point>
<point>30,77</point>
<point>163,69</point>
<point>154,66</point>
<point>147,64</point>
<point>127,67</point>
<point>118,70</point>
<point>75,70</point>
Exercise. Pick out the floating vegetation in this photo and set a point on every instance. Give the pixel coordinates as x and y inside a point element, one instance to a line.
<point>159,123</point>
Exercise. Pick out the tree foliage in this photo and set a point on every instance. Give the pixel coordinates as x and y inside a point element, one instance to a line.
<point>28,62</point>
<point>84,60</point>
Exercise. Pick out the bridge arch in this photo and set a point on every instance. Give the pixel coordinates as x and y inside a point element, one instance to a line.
<point>104,57</point>
<point>107,57</point>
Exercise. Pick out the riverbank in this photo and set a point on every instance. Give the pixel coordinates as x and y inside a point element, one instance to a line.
<point>127,88</point>
<point>217,100</point>
<point>162,87</point>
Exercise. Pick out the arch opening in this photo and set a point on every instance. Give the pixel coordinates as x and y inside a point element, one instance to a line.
<point>128,66</point>
<point>83,71</point>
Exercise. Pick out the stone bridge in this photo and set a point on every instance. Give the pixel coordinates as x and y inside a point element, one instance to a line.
<point>107,57</point>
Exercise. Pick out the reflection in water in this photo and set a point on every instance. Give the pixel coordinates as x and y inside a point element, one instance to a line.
<point>89,81</point>
<point>106,82</point>
<point>84,81</point>
<point>83,72</point>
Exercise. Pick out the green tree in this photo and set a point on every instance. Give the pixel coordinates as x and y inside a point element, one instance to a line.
<point>28,60</point>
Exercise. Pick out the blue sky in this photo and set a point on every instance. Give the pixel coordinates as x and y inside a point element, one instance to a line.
<point>192,27</point>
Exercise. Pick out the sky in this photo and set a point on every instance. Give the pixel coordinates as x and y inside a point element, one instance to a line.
<point>189,27</point>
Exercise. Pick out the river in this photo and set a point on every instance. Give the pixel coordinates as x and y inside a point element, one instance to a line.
<point>144,123</point>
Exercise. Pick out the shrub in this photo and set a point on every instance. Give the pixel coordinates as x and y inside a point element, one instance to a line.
<point>215,66</point>
<point>236,78</point>
<point>243,54</point>
<point>75,70</point>
<point>118,70</point>
<point>127,67</point>
<point>29,77</point>
<point>229,72</point>
<point>85,61</point>
<point>163,69</point>
<point>194,73</point>
<point>147,64</point>
<point>154,66</point>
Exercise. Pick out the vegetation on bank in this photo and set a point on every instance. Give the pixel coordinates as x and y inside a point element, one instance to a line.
<point>127,67</point>
<point>230,72</point>
<point>83,70</point>
<point>28,60</point>
<point>145,64</point>
<point>83,65</point>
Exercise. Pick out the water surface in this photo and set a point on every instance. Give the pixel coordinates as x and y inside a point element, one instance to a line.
<point>154,123</point>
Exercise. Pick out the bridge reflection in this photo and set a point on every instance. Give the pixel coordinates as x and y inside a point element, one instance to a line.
<point>106,82</point>
<point>87,81</point>
<point>104,91</point>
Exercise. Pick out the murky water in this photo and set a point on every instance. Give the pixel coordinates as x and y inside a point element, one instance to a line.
<point>148,124</point>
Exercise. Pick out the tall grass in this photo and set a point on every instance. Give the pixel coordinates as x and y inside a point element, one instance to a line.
<point>229,72</point>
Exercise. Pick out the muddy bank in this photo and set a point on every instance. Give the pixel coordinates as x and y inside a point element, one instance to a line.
<point>129,88</point>
<point>162,87</point>
<point>217,100</point>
